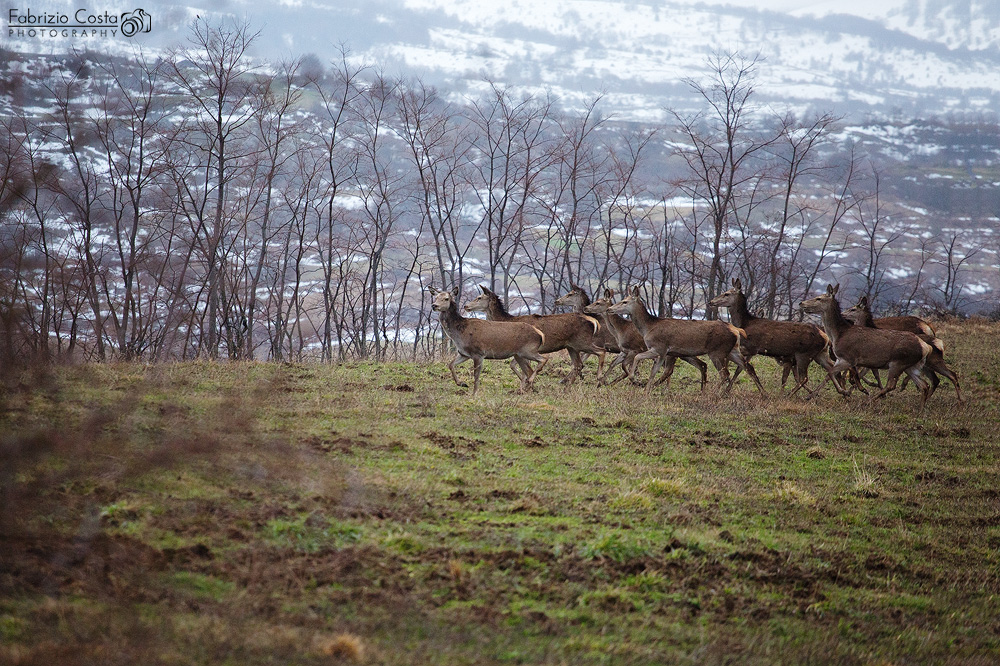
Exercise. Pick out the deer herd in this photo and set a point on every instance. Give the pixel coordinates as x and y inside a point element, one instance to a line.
<point>849,345</point>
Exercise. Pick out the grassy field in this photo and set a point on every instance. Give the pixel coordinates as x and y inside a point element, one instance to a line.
<point>240,513</point>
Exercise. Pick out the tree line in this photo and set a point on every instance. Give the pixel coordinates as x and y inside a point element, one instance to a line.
<point>203,203</point>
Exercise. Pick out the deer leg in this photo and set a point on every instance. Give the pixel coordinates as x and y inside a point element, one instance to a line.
<point>895,370</point>
<point>801,373</point>
<point>477,368</point>
<point>855,376</point>
<point>743,363</point>
<point>940,367</point>
<point>577,370</point>
<point>626,363</point>
<point>668,366</point>
<point>541,360</point>
<point>875,374</point>
<point>787,369</point>
<point>721,364</point>
<point>600,364</point>
<point>700,365</point>
<point>455,362</point>
<point>828,364</point>
<point>649,353</point>
<point>833,373</point>
<point>517,367</point>
<point>529,374</point>
<point>916,374</point>
<point>522,374</point>
<point>618,360</point>
<point>622,376</point>
<point>652,373</point>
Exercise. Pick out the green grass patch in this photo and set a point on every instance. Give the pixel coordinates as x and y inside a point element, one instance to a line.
<point>257,513</point>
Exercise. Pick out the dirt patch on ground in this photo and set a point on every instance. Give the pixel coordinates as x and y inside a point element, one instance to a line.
<point>100,565</point>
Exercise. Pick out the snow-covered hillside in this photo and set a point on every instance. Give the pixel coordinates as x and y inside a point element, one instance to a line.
<point>908,58</point>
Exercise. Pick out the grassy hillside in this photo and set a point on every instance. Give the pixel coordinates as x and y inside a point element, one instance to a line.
<point>305,514</point>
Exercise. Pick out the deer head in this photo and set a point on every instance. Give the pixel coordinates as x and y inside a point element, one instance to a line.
<point>730,297</point>
<point>576,297</point>
<point>601,305</point>
<point>625,305</point>
<point>823,302</point>
<point>443,299</point>
<point>481,303</point>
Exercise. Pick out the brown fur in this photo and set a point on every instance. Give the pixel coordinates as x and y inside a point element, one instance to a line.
<point>476,339</point>
<point>669,339</point>
<point>861,314</point>
<point>859,346</point>
<point>570,331</point>
<point>795,345</point>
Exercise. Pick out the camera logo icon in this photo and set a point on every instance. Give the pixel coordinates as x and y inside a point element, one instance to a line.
<point>135,22</point>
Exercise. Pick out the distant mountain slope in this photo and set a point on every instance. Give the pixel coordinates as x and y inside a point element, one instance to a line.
<point>853,57</point>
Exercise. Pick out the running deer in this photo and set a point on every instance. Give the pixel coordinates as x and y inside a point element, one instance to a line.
<point>668,339</point>
<point>861,347</point>
<point>603,340</point>
<point>570,331</point>
<point>794,345</point>
<point>477,339</point>
<point>861,314</point>
<point>630,341</point>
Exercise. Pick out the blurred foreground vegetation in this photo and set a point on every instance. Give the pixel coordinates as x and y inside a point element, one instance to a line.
<point>241,513</point>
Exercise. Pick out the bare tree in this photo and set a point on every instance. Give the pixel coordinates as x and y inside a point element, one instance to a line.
<point>953,259</point>
<point>719,148</point>
<point>510,141</point>
<point>877,234</point>
<point>438,145</point>
<point>80,187</point>
<point>214,74</point>
<point>794,154</point>
<point>833,241</point>
<point>380,189</point>
<point>335,241</point>
<point>129,127</point>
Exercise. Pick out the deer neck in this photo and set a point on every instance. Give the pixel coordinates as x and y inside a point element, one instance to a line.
<point>615,322</point>
<point>451,319</point>
<point>834,321</point>
<point>641,317</point>
<point>739,314</point>
<point>497,311</point>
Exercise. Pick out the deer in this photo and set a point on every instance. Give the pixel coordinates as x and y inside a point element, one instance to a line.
<point>477,340</point>
<point>914,325</point>
<point>603,340</point>
<point>861,314</point>
<point>668,339</point>
<point>862,347</point>
<point>794,345</point>
<point>630,341</point>
<point>570,331</point>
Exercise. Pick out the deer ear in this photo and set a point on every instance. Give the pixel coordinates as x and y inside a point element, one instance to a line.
<point>608,294</point>
<point>432,290</point>
<point>863,302</point>
<point>738,284</point>
<point>635,291</point>
<point>836,289</point>
<point>829,290</point>
<point>455,292</point>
